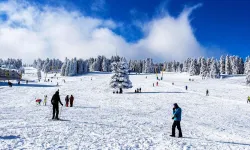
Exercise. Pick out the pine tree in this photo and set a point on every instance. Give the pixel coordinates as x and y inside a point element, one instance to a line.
<point>228,67</point>
<point>120,78</point>
<point>247,69</point>
<point>193,67</point>
<point>241,66</point>
<point>222,65</point>
<point>235,66</point>
<point>39,75</point>
<point>203,69</point>
<point>214,73</point>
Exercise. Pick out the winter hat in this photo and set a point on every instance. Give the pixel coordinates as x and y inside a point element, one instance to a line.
<point>176,105</point>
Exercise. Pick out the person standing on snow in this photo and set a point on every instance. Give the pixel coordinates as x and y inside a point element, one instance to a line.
<point>55,102</point>
<point>45,100</point>
<point>248,99</point>
<point>186,87</point>
<point>207,93</point>
<point>177,120</point>
<point>71,100</point>
<point>67,100</point>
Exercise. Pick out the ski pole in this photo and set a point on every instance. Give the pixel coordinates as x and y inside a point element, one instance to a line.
<point>60,112</point>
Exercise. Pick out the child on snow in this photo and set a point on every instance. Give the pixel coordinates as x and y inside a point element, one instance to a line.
<point>38,101</point>
<point>45,100</point>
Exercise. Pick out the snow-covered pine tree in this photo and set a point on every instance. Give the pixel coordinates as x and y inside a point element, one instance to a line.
<point>105,64</point>
<point>209,63</point>
<point>185,66</point>
<point>203,69</point>
<point>234,62</point>
<point>241,66</point>
<point>193,67</point>
<point>63,69</point>
<point>228,67</point>
<point>148,65</point>
<point>214,72</point>
<point>173,66</point>
<point>120,78</point>
<point>222,65</point>
<point>74,67</point>
<point>67,69</point>
<point>39,75</point>
<point>247,69</point>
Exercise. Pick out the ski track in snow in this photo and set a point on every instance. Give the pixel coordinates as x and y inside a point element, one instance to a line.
<point>103,120</point>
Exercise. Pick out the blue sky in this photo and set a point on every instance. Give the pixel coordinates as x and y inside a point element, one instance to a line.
<point>218,26</point>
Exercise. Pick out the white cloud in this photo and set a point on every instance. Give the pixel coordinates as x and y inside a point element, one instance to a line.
<point>98,5</point>
<point>31,32</point>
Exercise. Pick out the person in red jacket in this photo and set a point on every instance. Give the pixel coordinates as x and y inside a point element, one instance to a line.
<point>71,100</point>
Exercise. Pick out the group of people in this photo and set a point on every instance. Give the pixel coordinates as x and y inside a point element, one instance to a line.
<point>138,90</point>
<point>69,100</point>
<point>120,91</point>
<point>156,84</point>
<point>55,101</point>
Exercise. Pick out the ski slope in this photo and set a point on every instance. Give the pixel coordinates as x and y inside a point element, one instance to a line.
<point>103,120</point>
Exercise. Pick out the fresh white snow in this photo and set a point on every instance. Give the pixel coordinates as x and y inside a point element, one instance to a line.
<point>103,120</point>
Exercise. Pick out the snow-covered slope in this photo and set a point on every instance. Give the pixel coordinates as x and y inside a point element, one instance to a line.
<point>103,120</point>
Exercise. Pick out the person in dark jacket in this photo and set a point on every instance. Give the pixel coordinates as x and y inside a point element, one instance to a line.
<point>177,120</point>
<point>71,100</point>
<point>55,102</point>
<point>207,93</point>
<point>67,100</point>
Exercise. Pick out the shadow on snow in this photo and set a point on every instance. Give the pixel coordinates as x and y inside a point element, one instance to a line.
<point>154,92</point>
<point>27,85</point>
<point>87,107</point>
<point>222,142</point>
<point>10,137</point>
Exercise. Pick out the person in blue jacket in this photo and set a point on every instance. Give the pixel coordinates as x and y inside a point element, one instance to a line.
<point>177,120</point>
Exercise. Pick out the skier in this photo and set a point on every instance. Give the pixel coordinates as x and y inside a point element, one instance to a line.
<point>67,100</point>
<point>207,93</point>
<point>153,84</point>
<point>45,100</point>
<point>71,100</point>
<point>177,120</point>
<point>140,90</point>
<point>248,99</point>
<point>156,83</point>
<point>186,87</point>
<point>55,102</point>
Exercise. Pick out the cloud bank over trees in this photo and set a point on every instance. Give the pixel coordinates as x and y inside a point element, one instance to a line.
<point>30,31</point>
